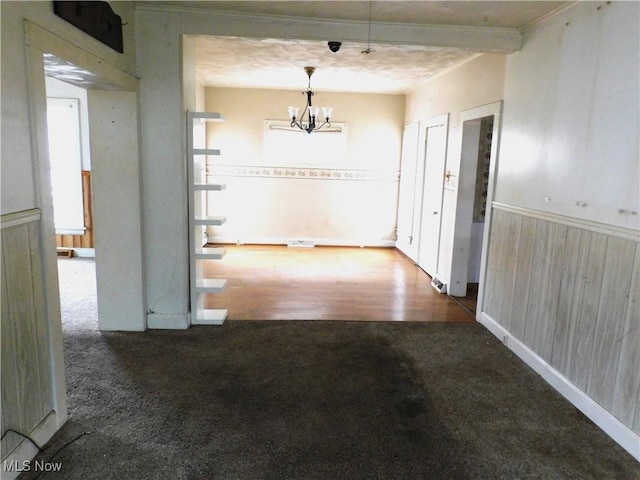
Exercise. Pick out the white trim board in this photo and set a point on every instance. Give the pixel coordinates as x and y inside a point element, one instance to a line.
<point>19,218</point>
<point>168,321</point>
<point>319,242</point>
<point>613,230</point>
<point>620,433</point>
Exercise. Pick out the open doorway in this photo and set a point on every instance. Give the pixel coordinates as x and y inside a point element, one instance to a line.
<point>111,98</point>
<point>113,195</point>
<point>478,161</point>
<point>70,160</point>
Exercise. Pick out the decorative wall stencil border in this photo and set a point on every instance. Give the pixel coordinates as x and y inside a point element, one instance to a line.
<point>304,173</point>
<point>620,232</point>
<point>18,218</point>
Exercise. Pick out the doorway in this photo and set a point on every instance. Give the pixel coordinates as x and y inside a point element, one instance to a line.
<point>111,101</point>
<point>475,185</point>
<point>70,160</point>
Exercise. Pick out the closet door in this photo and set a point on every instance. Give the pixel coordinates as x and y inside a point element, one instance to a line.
<point>433,181</point>
<point>409,178</point>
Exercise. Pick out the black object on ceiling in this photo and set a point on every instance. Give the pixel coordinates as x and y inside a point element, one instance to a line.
<point>94,18</point>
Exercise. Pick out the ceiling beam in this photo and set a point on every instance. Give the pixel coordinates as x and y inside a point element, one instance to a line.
<point>475,39</point>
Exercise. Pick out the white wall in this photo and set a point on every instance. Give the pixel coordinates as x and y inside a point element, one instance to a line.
<point>561,289</point>
<point>330,208</point>
<point>18,189</point>
<point>116,199</point>
<point>163,173</point>
<point>28,30</point>
<point>570,130</point>
<point>476,83</point>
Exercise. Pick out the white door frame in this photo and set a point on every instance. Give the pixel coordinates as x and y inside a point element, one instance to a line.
<point>119,252</point>
<point>38,42</point>
<point>462,229</point>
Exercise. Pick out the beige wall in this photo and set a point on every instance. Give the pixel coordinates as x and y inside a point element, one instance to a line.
<point>374,123</point>
<point>331,209</point>
<point>476,83</point>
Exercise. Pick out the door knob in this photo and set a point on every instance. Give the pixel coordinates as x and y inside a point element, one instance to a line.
<point>435,213</point>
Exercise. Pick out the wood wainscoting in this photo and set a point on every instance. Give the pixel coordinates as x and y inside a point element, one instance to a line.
<point>87,240</point>
<point>27,391</point>
<point>569,291</point>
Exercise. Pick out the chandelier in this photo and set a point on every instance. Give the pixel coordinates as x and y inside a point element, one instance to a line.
<point>313,121</point>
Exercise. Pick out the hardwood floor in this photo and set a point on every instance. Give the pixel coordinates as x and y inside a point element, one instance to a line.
<point>469,302</point>
<point>327,283</point>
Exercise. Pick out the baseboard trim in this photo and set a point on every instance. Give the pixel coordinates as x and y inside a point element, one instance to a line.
<point>620,433</point>
<point>161,321</point>
<point>319,242</point>
<point>21,456</point>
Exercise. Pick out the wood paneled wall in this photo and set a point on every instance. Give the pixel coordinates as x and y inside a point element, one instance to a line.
<point>27,396</point>
<point>570,292</point>
<point>87,240</point>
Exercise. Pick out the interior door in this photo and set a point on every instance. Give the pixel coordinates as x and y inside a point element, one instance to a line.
<point>406,242</point>
<point>434,166</point>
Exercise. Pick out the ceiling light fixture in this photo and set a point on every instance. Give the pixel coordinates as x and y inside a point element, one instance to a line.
<point>312,112</point>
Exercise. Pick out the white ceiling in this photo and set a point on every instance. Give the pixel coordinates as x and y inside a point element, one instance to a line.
<point>278,63</point>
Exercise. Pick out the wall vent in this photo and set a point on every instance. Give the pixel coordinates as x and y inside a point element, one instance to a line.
<point>439,285</point>
<point>301,243</point>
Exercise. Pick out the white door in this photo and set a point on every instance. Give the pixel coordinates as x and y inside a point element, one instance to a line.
<point>407,196</point>
<point>435,153</point>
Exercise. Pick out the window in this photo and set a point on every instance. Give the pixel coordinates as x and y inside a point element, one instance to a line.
<point>63,120</point>
<point>286,146</point>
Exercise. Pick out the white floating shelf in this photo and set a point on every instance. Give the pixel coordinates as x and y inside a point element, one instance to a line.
<point>206,151</point>
<point>208,116</point>
<point>209,186</point>
<point>209,317</point>
<point>210,253</point>
<point>199,194</point>
<point>210,285</point>
<point>210,220</point>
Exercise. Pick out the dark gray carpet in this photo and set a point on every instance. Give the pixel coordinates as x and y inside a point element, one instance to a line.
<point>319,400</point>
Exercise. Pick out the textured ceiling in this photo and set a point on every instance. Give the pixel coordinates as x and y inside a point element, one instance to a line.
<point>272,63</point>
<point>278,63</point>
